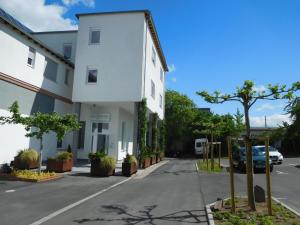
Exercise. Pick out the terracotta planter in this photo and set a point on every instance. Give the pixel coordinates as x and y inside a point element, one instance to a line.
<point>59,166</point>
<point>158,159</point>
<point>97,170</point>
<point>22,165</point>
<point>146,162</point>
<point>153,160</point>
<point>128,169</point>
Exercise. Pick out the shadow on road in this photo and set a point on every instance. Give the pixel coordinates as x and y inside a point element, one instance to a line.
<point>177,172</point>
<point>146,216</point>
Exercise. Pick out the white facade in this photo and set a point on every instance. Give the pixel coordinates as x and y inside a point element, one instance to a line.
<point>125,67</point>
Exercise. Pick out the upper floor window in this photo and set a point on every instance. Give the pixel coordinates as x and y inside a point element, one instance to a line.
<point>50,69</point>
<point>161,75</point>
<point>67,49</point>
<point>31,57</point>
<point>94,36</point>
<point>152,89</point>
<point>160,101</point>
<point>67,76</point>
<point>92,75</point>
<point>153,55</point>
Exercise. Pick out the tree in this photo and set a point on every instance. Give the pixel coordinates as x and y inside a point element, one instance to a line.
<point>40,124</point>
<point>247,95</point>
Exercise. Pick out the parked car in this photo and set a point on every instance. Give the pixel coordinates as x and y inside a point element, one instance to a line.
<point>259,159</point>
<point>199,146</point>
<point>275,155</point>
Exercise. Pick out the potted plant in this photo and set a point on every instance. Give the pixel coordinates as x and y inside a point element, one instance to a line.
<point>26,159</point>
<point>153,158</point>
<point>145,159</point>
<point>102,165</point>
<point>61,163</point>
<point>129,165</point>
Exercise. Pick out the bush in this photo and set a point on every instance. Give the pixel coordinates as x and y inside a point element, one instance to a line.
<point>64,156</point>
<point>28,155</point>
<point>108,162</point>
<point>97,155</point>
<point>130,159</point>
<point>29,174</point>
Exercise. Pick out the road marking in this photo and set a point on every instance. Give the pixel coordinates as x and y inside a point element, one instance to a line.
<point>197,167</point>
<point>10,191</point>
<point>279,172</point>
<point>60,211</point>
<point>292,164</point>
<point>281,198</point>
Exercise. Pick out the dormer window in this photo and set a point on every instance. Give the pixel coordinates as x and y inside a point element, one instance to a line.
<point>31,57</point>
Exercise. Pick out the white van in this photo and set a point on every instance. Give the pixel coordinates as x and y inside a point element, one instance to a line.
<point>199,146</point>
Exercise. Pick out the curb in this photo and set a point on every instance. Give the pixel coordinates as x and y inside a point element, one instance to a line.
<point>286,206</point>
<point>145,172</point>
<point>210,218</point>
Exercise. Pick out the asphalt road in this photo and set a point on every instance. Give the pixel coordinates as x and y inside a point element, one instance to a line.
<point>169,195</point>
<point>285,180</point>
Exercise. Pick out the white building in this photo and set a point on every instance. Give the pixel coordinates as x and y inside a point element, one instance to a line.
<point>100,72</point>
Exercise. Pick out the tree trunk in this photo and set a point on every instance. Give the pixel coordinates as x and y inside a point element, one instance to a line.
<point>249,164</point>
<point>41,155</point>
<point>212,163</point>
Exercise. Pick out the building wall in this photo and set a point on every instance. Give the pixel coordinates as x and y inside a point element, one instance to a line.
<point>118,58</point>
<point>56,40</point>
<point>152,72</point>
<point>13,58</point>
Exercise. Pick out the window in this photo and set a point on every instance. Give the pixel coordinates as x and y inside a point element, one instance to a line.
<point>67,76</point>
<point>161,75</point>
<point>152,89</point>
<point>92,76</point>
<point>81,134</point>
<point>160,101</point>
<point>59,144</point>
<point>67,49</point>
<point>31,57</point>
<point>123,145</point>
<point>153,55</point>
<point>94,37</point>
<point>50,69</point>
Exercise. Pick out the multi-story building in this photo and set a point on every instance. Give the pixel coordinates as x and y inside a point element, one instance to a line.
<point>100,72</point>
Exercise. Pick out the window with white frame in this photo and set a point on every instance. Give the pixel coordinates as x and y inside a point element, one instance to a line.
<point>123,130</point>
<point>161,75</point>
<point>153,55</point>
<point>92,74</point>
<point>160,101</point>
<point>50,71</point>
<point>31,57</point>
<point>94,37</point>
<point>152,89</point>
<point>67,76</point>
<point>67,51</point>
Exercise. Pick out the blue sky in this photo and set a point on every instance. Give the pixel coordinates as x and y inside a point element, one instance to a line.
<point>214,44</point>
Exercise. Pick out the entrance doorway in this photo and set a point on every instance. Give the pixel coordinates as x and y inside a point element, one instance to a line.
<point>100,137</point>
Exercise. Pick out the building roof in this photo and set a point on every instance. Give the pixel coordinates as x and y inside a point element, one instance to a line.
<point>23,30</point>
<point>151,25</point>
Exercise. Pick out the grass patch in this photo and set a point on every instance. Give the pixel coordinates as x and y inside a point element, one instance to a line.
<point>244,216</point>
<point>32,175</point>
<point>203,166</point>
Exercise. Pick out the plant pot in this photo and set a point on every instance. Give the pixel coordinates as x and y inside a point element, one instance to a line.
<point>153,160</point>
<point>128,169</point>
<point>97,170</point>
<point>59,166</point>
<point>146,162</point>
<point>25,165</point>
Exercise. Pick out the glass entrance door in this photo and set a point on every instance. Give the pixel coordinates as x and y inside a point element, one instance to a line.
<point>100,137</point>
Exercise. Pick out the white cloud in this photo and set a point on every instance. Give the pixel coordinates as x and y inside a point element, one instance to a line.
<point>272,120</point>
<point>174,79</point>
<point>88,3</point>
<point>39,16</point>
<point>259,88</point>
<point>268,106</point>
<point>171,68</point>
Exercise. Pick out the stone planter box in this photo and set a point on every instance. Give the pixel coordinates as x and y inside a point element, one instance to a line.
<point>96,170</point>
<point>146,162</point>
<point>59,166</point>
<point>25,165</point>
<point>153,160</point>
<point>128,169</point>
<point>13,178</point>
